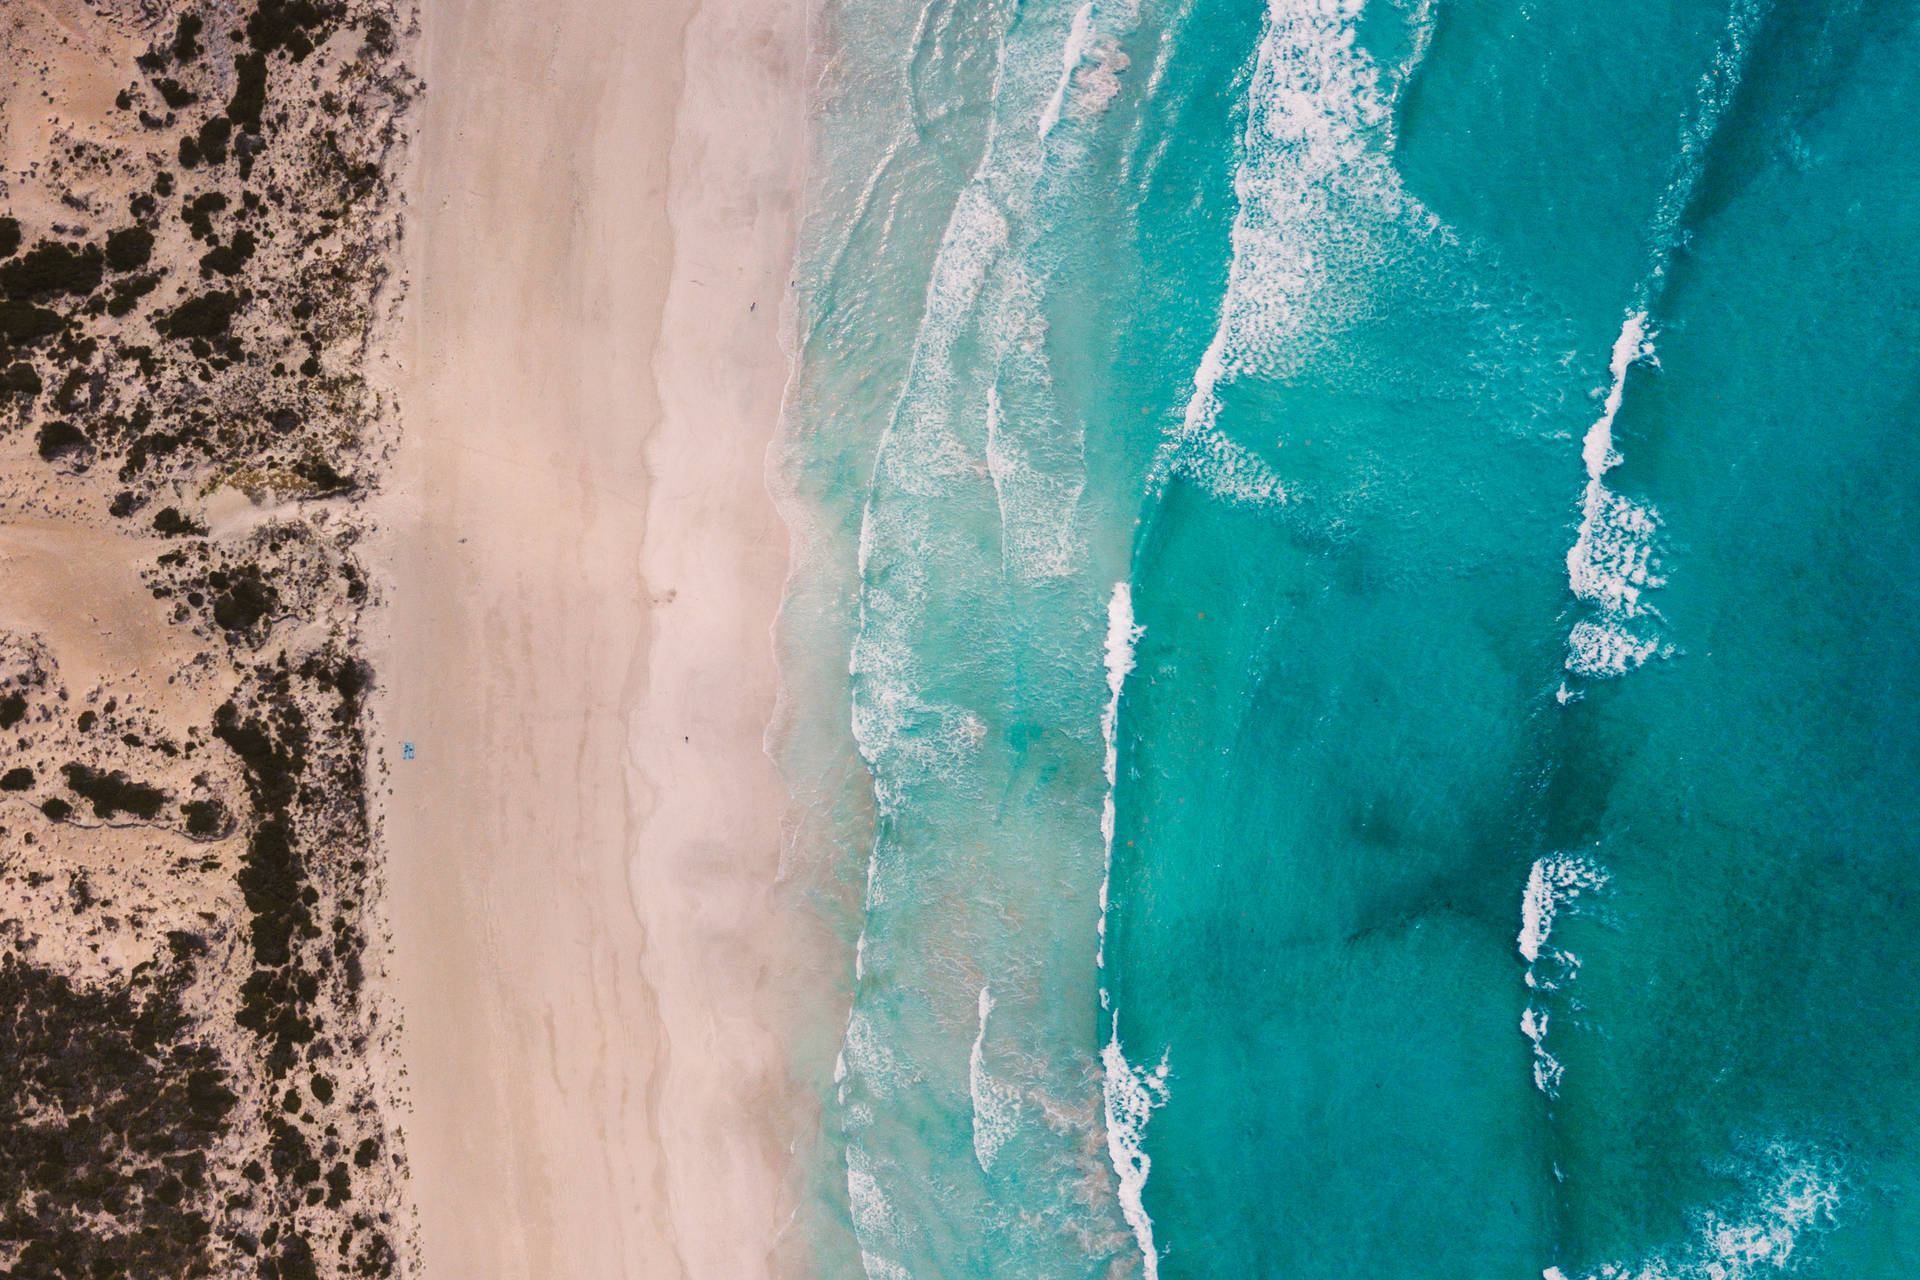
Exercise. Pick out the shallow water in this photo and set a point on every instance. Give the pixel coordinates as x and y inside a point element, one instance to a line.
<point>1352,636</point>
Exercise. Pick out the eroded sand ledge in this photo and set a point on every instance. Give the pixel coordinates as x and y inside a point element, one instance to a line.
<point>582,565</point>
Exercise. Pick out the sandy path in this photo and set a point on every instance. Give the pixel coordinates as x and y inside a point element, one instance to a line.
<point>582,565</point>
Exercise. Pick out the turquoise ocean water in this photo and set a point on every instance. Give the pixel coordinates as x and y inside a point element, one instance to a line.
<point>1352,650</point>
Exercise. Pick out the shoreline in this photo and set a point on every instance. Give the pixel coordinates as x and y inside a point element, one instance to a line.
<point>582,564</point>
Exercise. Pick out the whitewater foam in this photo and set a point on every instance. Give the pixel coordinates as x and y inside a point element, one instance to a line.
<point>1315,181</point>
<point>1131,1095</point>
<point>1792,1195</point>
<point>1554,884</point>
<point>873,1216</point>
<point>1122,634</point>
<point>976,437</point>
<point>1630,347</point>
<point>995,1105</point>
<point>1612,562</point>
<point>1079,36</point>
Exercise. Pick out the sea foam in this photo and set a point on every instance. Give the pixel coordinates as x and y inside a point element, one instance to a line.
<point>995,1105</point>
<point>976,442</point>
<point>1792,1196</point>
<point>1079,37</point>
<point>873,1216</point>
<point>1122,634</point>
<point>1613,560</point>
<point>1131,1095</point>
<point>1315,183</point>
<point>1554,884</point>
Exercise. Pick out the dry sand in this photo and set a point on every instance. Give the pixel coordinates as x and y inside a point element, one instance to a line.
<point>582,565</point>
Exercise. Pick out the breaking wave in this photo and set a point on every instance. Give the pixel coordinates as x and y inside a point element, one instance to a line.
<point>1555,883</point>
<point>1793,1197</point>
<point>1613,560</point>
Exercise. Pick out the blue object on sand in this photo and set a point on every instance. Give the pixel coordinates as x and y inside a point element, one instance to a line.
<point>406,751</point>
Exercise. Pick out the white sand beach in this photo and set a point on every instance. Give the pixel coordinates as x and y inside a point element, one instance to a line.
<point>581,566</point>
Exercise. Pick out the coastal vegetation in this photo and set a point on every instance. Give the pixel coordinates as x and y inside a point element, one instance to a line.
<point>190,1049</point>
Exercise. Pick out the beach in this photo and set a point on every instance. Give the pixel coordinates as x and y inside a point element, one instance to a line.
<point>770,639</point>
<point>581,565</point>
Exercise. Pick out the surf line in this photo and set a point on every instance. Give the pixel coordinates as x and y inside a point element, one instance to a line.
<point>1129,1094</point>
<point>1612,563</point>
<point>1314,111</point>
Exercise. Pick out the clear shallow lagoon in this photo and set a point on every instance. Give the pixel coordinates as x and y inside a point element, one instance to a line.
<point>1354,637</point>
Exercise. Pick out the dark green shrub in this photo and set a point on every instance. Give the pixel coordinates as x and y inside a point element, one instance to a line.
<point>243,600</point>
<point>127,293</point>
<point>293,25</point>
<point>124,1105</point>
<point>51,268</point>
<point>129,248</point>
<point>203,317</point>
<point>61,439</point>
<point>206,819</point>
<point>228,259</point>
<point>185,47</point>
<point>175,95</point>
<point>113,793</point>
<point>250,92</point>
<point>168,522</point>
<point>213,139</point>
<point>24,322</point>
